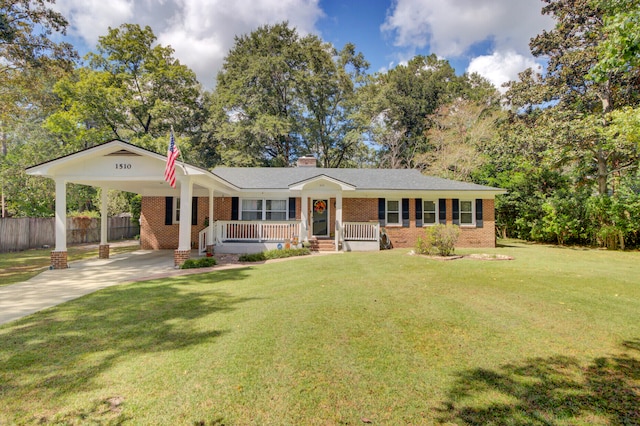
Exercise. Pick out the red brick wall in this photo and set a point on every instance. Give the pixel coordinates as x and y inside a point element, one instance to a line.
<point>154,234</point>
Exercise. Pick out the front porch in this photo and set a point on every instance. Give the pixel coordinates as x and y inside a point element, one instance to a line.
<point>236,236</point>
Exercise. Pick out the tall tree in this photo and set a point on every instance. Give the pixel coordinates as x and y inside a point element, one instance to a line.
<point>132,89</point>
<point>578,109</point>
<point>280,95</point>
<point>29,61</point>
<point>399,102</point>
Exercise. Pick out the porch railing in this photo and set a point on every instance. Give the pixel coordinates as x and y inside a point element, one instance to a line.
<point>256,230</point>
<point>361,231</point>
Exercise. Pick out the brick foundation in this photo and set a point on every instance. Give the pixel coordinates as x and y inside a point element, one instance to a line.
<point>103,251</point>
<point>59,260</point>
<point>180,256</point>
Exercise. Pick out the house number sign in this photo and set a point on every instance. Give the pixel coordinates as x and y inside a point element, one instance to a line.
<point>123,166</point>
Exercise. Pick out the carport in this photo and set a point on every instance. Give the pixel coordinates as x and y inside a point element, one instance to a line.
<point>121,166</point>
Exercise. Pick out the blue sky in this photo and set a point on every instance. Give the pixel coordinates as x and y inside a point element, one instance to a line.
<point>485,36</point>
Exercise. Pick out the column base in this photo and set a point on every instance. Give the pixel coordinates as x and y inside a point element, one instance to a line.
<point>59,260</point>
<point>103,251</point>
<point>180,256</point>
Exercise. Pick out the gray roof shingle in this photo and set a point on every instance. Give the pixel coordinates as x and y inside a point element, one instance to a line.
<point>265,178</point>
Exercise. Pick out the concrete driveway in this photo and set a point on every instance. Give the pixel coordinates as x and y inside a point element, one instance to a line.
<point>53,287</point>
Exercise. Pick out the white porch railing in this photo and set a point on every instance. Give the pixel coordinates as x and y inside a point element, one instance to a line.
<point>360,231</point>
<point>256,230</point>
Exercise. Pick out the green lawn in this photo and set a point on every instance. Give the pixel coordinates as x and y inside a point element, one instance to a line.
<point>20,266</point>
<point>550,338</point>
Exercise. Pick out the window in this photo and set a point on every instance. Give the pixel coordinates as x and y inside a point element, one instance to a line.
<point>176,210</point>
<point>251,210</point>
<point>276,210</point>
<point>466,212</point>
<point>393,212</point>
<point>264,209</point>
<point>429,212</point>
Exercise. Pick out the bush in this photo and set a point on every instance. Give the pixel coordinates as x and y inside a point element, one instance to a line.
<point>274,254</point>
<point>203,262</point>
<point>439,239</point>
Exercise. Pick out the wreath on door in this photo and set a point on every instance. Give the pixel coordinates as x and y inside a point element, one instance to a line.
<point>319,206</point>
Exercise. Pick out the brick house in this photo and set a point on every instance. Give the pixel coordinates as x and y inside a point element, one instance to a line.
<point>241,210</point>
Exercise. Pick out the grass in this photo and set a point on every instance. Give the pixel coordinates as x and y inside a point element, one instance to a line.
<point>550,338</point>
<point>22,265</point>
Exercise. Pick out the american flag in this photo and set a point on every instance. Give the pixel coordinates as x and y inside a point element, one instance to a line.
<point>172,155</point>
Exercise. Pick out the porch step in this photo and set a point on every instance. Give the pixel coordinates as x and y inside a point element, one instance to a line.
<point>322,245</point>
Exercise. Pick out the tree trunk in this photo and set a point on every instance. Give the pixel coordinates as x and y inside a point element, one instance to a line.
<point>602,172</point>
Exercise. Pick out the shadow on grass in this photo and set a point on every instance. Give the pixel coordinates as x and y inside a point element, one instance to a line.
<point>60,351</point>
<point>548,391</point>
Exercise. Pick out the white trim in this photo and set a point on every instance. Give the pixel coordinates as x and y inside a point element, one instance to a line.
<point>386,212</point>
<point>436,205</point>
<point>328,210</point>
<point>473,212</point>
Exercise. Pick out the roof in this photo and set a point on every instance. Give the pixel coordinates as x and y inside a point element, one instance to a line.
<point>269,178</point>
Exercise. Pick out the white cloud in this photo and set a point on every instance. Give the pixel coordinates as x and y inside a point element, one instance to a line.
<point>501,67</point>
<point>200,31</point>
<point>452,27</point>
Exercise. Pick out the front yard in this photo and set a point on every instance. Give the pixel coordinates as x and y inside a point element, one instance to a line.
<point>551,337</point>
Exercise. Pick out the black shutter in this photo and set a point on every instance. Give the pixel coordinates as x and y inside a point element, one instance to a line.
<point>168,210</point>
<point>234,208</point>
<point>418,212</point>
<point>456,211</point>
<point>405,212</point>
<point>479,222</point>
<point>382,205</point>
<point>442,211</point>
<point>292,208</point>
<point>194,210</point>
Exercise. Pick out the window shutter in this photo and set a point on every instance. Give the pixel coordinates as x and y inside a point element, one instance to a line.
<point>405,212</point>
<point>168,210</point>
<point>442,211</point>
<point>234,208</point>
<point>418,212</point>
<point>456,211</point>
<point>479,222</point>
<point>381,211</point>
<point>194,210</point>
<point>292,208</point>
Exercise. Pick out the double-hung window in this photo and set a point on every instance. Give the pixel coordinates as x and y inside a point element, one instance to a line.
<point>393,212</point>
<point>252,209</point>
<point>429,212</point>
<point>176,209</point>
<point>261,209</point>
<point>466,212</point>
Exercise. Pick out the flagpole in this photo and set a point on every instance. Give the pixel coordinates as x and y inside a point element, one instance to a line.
<point>184,169</point>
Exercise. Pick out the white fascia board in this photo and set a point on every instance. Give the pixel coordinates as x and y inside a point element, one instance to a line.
<point>299,186</point>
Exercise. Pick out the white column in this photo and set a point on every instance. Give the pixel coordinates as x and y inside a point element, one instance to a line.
<point>304,216</point>
<point>186,195</point>
<point>338,219</point>
<point>61,215</point>
<point>104,196</point>
<point>211,220</point>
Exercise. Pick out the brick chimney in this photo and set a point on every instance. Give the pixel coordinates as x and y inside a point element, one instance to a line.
<point>307,161</point>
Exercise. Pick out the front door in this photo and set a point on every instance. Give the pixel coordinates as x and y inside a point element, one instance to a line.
<point>320,214</point>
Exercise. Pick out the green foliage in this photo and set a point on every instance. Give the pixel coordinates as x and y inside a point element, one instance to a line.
<point>280,95</point>
<point>274,254</point>
<point>203,262</point>
<point>132,89</point>
<point>439,239</point>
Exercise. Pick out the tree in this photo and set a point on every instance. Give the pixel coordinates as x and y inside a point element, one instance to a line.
<point>398,102</point>
<point>29,61</point>
<point>577,109</point>
<point>280,95</point>
<point>131,90</point>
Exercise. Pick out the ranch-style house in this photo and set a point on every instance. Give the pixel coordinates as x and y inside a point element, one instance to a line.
<point>244,210</point>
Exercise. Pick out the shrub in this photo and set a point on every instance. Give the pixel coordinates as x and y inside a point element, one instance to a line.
<point>203,262</point>
<point>274,254</point>
<point>439,239</point>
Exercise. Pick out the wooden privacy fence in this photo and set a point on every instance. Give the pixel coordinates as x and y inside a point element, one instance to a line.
<point>34,232</point>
